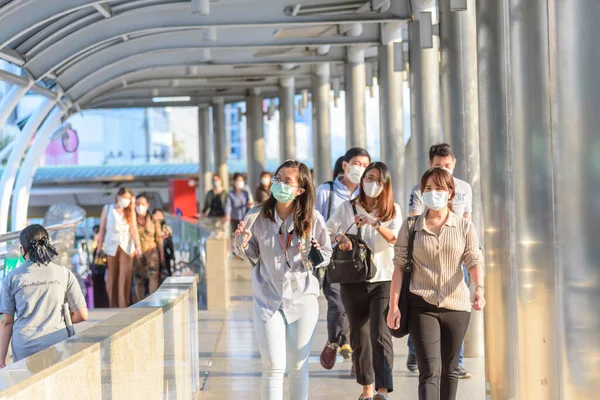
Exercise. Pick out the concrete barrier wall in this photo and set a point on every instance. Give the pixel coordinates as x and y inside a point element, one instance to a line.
<point>149,351</point>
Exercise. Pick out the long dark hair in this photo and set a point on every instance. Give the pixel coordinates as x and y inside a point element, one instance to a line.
<point>36,244</point>
<point>442,178</point>
<point>385,209</point>
<point>304,204</point>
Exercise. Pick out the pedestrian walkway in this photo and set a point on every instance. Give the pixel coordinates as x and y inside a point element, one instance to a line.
<point>231,366</point>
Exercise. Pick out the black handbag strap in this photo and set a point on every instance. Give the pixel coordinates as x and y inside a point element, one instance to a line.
<point>357,227</point>
<point>330,199</point>
<point>412,221</point>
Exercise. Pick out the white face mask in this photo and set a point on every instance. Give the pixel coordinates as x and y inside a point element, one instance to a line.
<point>449,170</point>
<point>265,181</point>
<point>142,210</point>
<point>372,189</point>
<point>435,200</point>
<point>355,173</point>
<point>240,185</point>
<point>123,202</point>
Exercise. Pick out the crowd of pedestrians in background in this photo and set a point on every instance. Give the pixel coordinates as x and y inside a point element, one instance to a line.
<point>295,230</point>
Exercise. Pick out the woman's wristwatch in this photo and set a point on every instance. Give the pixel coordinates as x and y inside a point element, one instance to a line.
<point>480,287</point>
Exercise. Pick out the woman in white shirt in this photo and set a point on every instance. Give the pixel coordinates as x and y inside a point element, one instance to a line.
<point>379,219</point>
<point>121,240</point>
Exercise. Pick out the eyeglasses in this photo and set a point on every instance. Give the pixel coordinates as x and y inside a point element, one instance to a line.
<point>370,179</point>
<point>288,181</point>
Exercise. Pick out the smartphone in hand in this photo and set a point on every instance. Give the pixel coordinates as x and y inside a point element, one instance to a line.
<point>315,256</point>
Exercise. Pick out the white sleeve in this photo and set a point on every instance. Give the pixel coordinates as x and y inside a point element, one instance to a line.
<point>339,219</point>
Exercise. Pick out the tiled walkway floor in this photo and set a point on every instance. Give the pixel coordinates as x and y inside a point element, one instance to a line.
<point>232,366</point>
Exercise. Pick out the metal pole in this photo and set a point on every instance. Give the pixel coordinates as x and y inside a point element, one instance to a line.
<point>205,151</point>
<point>390,111</point>
<point>355,82</point>
<point>425,83</point>
<point>22,190</point>
<point>497,188</point>
<point>256,137</point>
<point>574,30</point>
<point>220,140</point>
<point>287,123</point>
<point>321,97</point>
<point>12,98</point>
<point>461,121</point>
<point>147,134</point>
<point>10,170</point>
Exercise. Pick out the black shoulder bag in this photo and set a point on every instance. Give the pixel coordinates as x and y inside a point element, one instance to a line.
<point>405,289</point>
<point>352,266</point>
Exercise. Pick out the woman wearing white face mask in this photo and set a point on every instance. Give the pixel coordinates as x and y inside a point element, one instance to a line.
<point>238,201</point>
<point>379,219</point>
<point>263,191</point>
<point>146,267</point>
<point>439,302</point>
<point>284,289</point>
<point>121,240</point>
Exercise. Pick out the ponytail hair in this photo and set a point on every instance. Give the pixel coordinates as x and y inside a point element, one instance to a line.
<point>36,244</point>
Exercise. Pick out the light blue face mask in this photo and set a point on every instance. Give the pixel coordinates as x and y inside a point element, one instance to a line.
<point>435,200</point>
<point>283,193</point>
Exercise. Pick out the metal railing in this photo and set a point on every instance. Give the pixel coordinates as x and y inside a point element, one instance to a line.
<point>61,222</point>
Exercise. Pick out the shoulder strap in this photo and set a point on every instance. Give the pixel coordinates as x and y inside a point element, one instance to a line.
<point>330,198</point>
<point>411,242</point>
<point>355,213</point>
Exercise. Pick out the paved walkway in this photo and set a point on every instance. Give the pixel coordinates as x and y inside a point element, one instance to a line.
<point>231,364</point>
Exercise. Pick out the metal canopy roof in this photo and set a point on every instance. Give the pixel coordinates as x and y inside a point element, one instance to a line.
<point>113,173</point>
<point>123,53</point>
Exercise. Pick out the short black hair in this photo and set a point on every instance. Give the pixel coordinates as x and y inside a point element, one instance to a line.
<point>356,152</point>
<point>238,175</point>
<point>96,229</point>
<point>441,150</point>
<point>143,196</point>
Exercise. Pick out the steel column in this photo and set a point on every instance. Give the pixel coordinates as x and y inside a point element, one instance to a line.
<point>461,121</point>
<point>220,140</point>
<point>255,138</point>
<point>287,123</point>
<point>574,31</point>
<point>355,84</point>
<point>12,98</point>
<point>321,98</point>
<point>425,86</point>
<point>391,116</point>
<point>205,152</point>
<point>22,190</point>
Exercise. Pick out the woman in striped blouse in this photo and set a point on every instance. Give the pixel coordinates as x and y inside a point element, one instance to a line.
<point>439,301</point>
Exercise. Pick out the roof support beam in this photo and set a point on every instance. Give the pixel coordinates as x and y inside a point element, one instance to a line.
<point>12,56</point>
<point>192,39</point>
<point>104,9</point>
<point>201,7</point>
<point>31,14</point>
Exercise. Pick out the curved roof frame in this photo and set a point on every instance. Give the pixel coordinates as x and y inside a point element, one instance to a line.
<point>103,79</point>
<point>193,39</point>
<point>176,15</point>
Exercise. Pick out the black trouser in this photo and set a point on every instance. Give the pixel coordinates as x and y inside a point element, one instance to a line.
<point>437,334</point>
<point>337,325</point>
<point>369,335</point>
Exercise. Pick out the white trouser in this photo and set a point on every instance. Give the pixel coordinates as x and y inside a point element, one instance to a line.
<point>284,347</point>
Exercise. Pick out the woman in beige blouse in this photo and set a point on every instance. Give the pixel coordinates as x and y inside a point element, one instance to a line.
<point>439,301</point>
